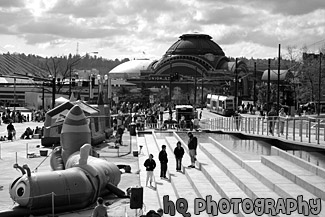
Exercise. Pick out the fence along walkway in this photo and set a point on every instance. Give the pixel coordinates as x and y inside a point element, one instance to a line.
<point>294,129</point>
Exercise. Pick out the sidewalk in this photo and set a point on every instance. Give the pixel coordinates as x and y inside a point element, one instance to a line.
<point>16,151</point>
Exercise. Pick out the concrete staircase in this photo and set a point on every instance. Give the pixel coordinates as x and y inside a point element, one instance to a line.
<point>220,175</point>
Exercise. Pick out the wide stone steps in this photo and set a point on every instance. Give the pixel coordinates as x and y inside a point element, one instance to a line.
<point>300,176</point>
<point>276,182</point>
<point>162,187</point>
<point>199,187</point>
<point>221,174</point>
<point>150,199</point>
<point>248,183</point>
<point>205,183</point>
<point>181,185</point>
<point>280,184</point>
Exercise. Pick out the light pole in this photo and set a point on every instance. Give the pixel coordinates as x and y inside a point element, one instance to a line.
<point>278,99</point>
<point>202,93</point>
<point>170,83</point>
<point>53,92</point>
<point>108,100</point>
<point>254,84</point>
<point>268,84</point>
<point>195,87</point>
<point>236,84</point>
<point>15,94</point>
<point>320,81</point>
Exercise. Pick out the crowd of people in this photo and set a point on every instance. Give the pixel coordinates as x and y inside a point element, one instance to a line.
<point>10,117</point>
<point>17,116</point>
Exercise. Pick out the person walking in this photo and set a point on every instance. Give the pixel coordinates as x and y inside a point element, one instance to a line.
<point>100,210</point>
<point>163,162</point>
<point>179,153</point>
<point>271,118</point>
<point>150,165</point>
<point>11,131</point>
<point>282,116</point>
<point>192,145</point>
<point>237,117</point>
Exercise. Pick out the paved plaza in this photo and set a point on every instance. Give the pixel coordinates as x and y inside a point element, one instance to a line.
<point>219,172</point>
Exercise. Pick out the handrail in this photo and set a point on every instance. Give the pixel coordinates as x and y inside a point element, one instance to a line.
<point>307,129</point>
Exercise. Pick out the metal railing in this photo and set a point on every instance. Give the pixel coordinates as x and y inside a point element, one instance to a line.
<point>302,129</point>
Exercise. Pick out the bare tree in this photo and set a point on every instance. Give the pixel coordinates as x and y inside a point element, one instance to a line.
<point>61,69</point>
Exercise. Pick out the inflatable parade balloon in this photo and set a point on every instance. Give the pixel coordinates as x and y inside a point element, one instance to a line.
<point>83,179</point>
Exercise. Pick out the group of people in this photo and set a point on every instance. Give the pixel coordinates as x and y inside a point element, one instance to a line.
<point>150,163</point>
<point>272,117</point>
<point>14,116</point>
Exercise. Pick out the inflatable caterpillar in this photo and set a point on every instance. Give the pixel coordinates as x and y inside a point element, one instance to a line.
<point>83,179</point>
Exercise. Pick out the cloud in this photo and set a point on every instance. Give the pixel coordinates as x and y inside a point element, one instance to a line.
<point>131,26</point>
<point>11,3</point>
<point>287,7</point>
<point>82,8</point>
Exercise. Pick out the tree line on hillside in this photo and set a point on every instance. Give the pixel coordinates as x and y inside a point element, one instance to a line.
<point>57,66</point>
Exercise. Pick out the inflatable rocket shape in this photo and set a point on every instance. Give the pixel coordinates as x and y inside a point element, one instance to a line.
<point>75,132</point>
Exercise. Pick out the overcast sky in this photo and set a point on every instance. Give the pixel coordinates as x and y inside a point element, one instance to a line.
<point>147,28</point>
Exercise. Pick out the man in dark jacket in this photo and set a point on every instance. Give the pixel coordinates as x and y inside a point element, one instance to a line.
<point>163,161</point>
<point>179,153</point>
<point>192,145</point>
<point>150,165</point>
<point>11,131</point>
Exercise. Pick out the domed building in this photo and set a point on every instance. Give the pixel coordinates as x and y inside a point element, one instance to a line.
<point>130,69</point>
<point>193,67</point>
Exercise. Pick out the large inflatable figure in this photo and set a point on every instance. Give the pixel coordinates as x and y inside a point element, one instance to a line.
<point>77,180</point>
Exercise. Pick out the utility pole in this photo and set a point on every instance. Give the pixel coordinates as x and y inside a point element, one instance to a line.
<point>202,92</point>
<point>268,84</point>
<point>70,80</point>
<point>320,81</point>
<point>14,94</point>
<point>195,87</point>
<point>43,97</point>
<point>170,83</point>
<point>53,92</point>
<point>278,95</point>
<point>254,84</point>
<point>236,80</point>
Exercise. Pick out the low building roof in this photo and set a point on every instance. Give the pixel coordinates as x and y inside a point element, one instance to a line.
<point>274,75</point>
<point>130,69</point>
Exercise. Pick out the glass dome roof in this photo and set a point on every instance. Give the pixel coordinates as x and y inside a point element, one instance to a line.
<point>195,44</point>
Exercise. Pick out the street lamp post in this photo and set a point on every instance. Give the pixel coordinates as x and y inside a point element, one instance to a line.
<point>236,84</point>
<point>43,90</point>
<point>320,81</point>
<point>202,93</point>
<point>53,92</point>
<point>108,100</point>
<point>268,84</point>
<point>195,87</point>
<point>170,83</point>
<point>14,93</point>
<point>278,95</point>
<point>254,98</point>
